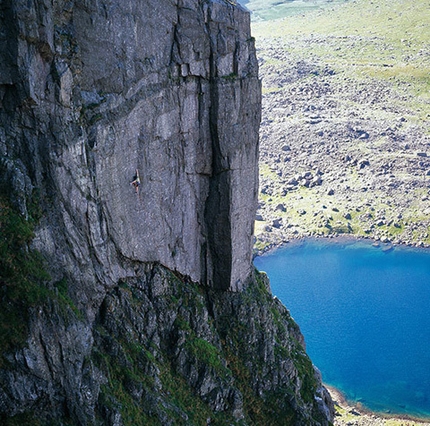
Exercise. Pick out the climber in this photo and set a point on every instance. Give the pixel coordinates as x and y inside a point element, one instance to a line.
<point>136,182</point>
<point>233,2</point>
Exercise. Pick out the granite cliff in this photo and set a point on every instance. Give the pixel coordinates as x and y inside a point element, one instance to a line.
<point>137,308</point>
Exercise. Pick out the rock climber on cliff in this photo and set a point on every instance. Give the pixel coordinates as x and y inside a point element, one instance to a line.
<point>136,182</point>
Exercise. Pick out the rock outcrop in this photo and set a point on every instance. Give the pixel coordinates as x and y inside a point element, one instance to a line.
<point>151,312</point>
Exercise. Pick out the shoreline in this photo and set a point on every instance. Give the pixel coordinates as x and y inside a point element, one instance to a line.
<point>349,413</point>
<point>340,239</point>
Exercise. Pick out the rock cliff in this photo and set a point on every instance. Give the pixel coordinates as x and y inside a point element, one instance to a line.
<point>144,308</point>
<point>94,90</point>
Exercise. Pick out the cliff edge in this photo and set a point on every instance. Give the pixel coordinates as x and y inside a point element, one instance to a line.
<point>133,313</point>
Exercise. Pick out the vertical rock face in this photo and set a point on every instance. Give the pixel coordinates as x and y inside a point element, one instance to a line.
<point>134,325</point>
<point>93,90</point>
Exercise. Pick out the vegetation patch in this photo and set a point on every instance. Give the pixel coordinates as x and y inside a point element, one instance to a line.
<point>208,354</point>
<point>24,280</point>
<point>132,372</point>
<point>306,373</point>
<point>22,276</point>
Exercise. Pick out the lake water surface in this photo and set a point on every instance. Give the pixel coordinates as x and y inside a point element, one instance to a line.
<point>365,315</point>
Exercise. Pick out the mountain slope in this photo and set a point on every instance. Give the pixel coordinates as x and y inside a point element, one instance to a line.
<point>136,306</point>
<point>344,136</point>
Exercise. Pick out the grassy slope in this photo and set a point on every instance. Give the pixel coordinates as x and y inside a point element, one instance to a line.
<point>263,10</point>
<point>366,43</point>
<point>403,28</point>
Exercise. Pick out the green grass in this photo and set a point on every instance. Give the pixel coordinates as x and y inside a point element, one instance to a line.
<point>22,276</point>
<point>263,10</point>
<point>121,378</point>
<point>380,39</point>
<point>208,354</point>
<point>396,20</point>
<point>24,280</point>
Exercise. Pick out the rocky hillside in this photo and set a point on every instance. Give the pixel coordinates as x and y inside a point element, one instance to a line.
<point>134,307</point>
<point>345,136</point>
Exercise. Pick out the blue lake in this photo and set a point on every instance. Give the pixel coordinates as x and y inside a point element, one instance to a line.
<point>365,316</point>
